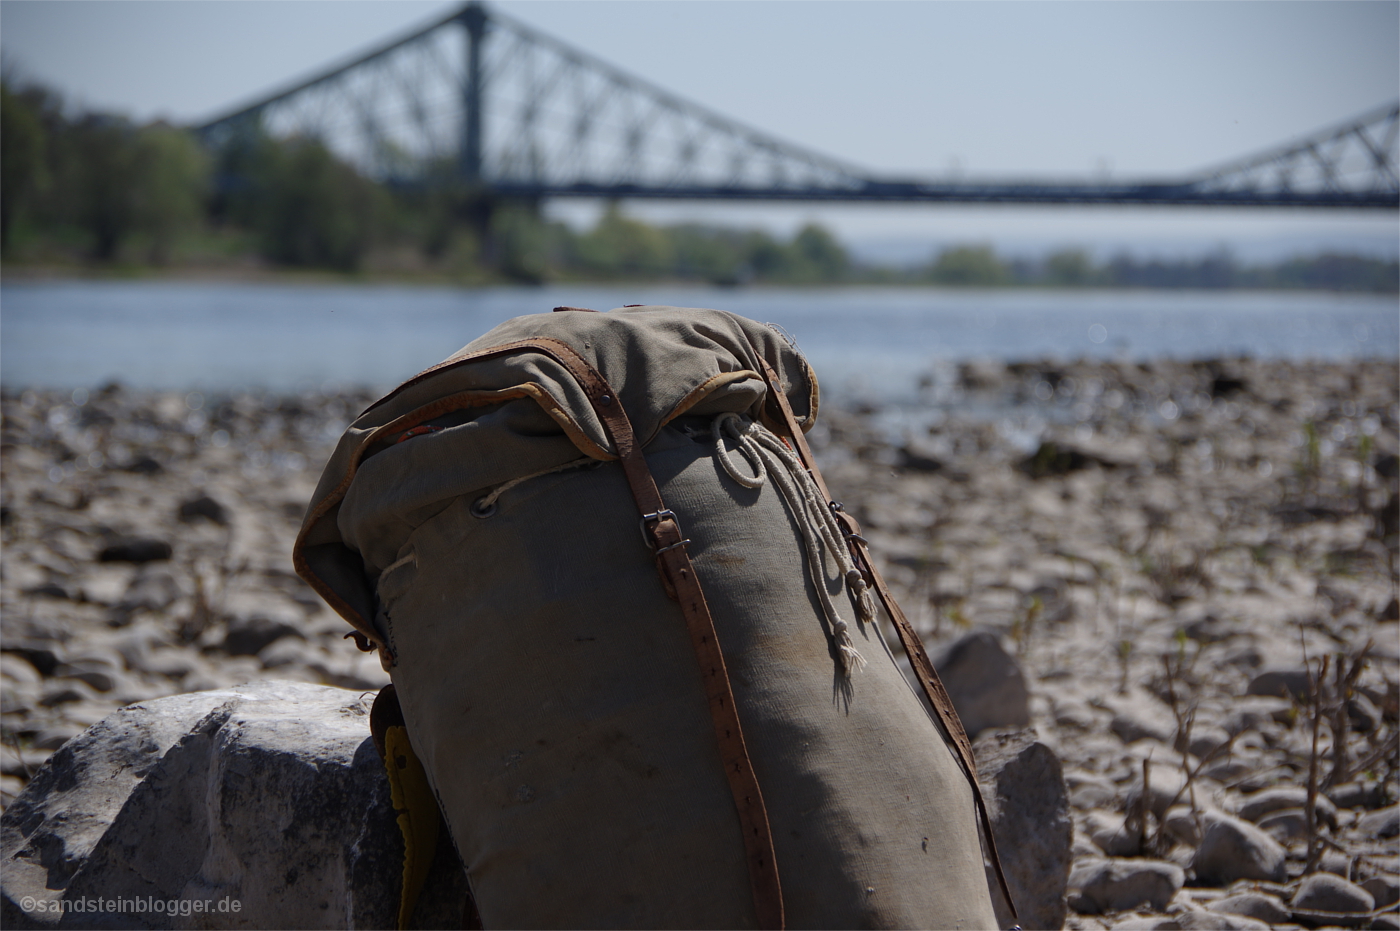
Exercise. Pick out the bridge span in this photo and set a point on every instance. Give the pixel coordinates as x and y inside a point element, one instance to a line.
<point>480,100</point>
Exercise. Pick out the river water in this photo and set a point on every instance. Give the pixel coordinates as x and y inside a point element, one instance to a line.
<point>870,343</point>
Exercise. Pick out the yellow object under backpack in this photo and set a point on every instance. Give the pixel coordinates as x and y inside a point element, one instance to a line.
<point>414,803</point>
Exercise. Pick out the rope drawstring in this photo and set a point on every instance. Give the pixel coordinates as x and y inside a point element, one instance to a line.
<point>821,534</point>
<point>486,506</point>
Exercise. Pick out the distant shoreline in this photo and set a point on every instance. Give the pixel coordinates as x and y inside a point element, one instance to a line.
<point>251,273</point>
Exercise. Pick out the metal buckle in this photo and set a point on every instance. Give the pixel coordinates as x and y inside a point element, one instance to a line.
<point>672,546</point>
<point>656,516</point>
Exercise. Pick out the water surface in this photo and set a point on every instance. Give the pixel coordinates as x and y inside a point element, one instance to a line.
<point>219,336</point>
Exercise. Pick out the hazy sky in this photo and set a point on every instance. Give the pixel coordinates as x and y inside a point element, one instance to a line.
<point>911,88</point>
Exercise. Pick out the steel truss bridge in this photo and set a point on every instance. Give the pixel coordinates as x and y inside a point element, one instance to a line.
<point>481,100</point>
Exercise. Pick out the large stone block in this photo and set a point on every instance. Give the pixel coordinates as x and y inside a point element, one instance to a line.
<point>1024,786</point>
<point>261,806</point>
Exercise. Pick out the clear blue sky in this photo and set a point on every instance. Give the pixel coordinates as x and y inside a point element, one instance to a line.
<point>1060,88</point>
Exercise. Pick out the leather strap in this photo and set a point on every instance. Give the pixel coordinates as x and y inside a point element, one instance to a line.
<point>683,585</point>
<point>913,645</point>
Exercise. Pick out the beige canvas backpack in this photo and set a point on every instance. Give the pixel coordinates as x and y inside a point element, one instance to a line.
<point>636,645</point>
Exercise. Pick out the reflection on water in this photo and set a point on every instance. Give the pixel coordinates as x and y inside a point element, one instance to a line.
<point>882,344</point>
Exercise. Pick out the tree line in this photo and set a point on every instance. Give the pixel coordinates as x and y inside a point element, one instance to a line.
<point>97,188</point>
<point>980,266</point>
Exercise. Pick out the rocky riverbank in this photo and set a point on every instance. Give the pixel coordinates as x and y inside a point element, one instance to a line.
<point>1159,554</point>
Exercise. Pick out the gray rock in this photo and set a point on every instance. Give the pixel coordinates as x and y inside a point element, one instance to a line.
<point>1088,791</point>
<point>1285,825</point>
<point>1266,908</point>
<point>1082,848</point>
<point>270,795</point>
<point>1252,712</point>
<point>172,662</point>
<point>1116,885</point>
<point>1205,740</point>
<point>64,691</point>
<point>285,651</point>
<point>1025,791</point>
<point>1074,714</point>
<point>135,549</point>
<point>985,683</point>
<point>1111,835</point>
<point>248,636</point>
<point>20,685</point>
<point>1281,683</point>
<point>1363,713</point>
<point>55,735</point>
<point>102,676</point>
<point>1358,795</point>
<point>917,456</point>
<point>154,589</point>
<point>1233,849</point>
<point>1384,889</point>
<point>1232,768</point>
<point>1259,804</point>
<point>205,507</point>
<point>1134,725</point>
<point>1148,923</point>
<point>18,669</point>
<point>1194,920</point>
<point>1324,892</point>
<point>1334,861</point>
<point>1384,822</point>
<point>1183,826</point>
<point>1167,787</point>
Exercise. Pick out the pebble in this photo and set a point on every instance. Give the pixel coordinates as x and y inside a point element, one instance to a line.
<point>1166,786</point>
<point>1148,923</point>
<point>1117,885</point>
<point>1200,920</point>
<point>1257,905</point>
<point>1256,806</point>
<point>1109,832</point>
<point>1205,741</point>
<point>1087,791</point>
<point>1324,892</point>
<point>250,636</point>
<point>985,683</point>
<point>1385,889</point>
<point>136,550</point>
<point>1358,795</point>
<point>1285,825</point>
<point>1132,726</point>
<point>1232,849</point>
<point>1384,822</point>
<point>1253,712</point>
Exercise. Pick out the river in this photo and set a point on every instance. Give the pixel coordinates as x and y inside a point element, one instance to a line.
<point>865,342</point>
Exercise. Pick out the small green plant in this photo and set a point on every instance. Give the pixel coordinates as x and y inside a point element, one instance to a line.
<point>1364,447</point>
<point>1309,465</point>
<point>1125,654</point>
<point>1024,626</point>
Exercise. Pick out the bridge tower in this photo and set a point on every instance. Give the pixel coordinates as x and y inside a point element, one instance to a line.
<point>474,20</point>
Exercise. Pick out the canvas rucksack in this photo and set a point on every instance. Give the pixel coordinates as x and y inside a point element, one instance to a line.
<point>636,645</point>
